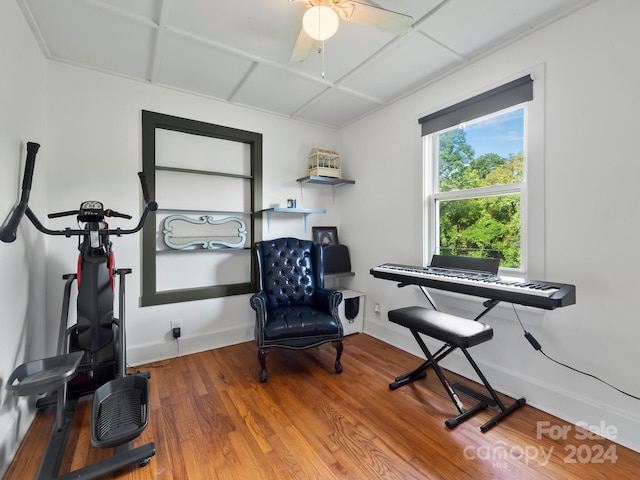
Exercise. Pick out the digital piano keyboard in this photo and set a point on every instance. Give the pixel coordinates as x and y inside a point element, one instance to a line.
<point>533,293</point>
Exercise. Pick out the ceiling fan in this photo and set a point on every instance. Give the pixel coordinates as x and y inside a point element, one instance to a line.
<point>321,21</point>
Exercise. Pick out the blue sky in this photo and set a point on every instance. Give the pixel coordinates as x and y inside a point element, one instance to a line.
<point>501,134</point>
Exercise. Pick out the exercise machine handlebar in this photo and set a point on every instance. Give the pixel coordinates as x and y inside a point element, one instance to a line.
<point>10,226</point>
<point>148,203</point>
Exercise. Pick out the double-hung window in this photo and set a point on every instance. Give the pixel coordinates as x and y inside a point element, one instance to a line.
<point>476,176</point>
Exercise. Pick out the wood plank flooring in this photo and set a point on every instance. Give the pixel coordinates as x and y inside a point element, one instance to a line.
<point>211,418</point>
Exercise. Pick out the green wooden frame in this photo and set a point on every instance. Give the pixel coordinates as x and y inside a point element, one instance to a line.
<point>150,123</point>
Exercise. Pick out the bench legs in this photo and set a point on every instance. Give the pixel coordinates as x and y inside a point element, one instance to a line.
<point>421,371</point>
<point>464,413</point>
<point>504,411</point>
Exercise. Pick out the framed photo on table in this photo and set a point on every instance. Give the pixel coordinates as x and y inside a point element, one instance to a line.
<point>325,235</point>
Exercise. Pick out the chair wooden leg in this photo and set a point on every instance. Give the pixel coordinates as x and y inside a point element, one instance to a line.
<point>338,345</point>
<point>262,355</point>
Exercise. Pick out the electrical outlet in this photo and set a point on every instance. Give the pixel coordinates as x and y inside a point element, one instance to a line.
<point>176,328</point>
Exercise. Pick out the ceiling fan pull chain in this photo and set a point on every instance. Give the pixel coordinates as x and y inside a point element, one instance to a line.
<point>322,58</point>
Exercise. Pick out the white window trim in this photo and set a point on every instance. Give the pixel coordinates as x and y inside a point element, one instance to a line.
<point>533,193</point>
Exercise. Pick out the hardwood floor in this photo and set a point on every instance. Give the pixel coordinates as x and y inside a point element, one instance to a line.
<point>211,418</point>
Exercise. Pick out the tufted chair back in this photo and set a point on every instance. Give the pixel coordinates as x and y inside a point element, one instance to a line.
<point>288,276</point>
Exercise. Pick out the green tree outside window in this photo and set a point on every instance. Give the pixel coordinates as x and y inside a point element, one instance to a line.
<point>485,226</point>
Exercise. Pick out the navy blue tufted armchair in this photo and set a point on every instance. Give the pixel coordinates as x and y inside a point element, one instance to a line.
<point>292,310</point>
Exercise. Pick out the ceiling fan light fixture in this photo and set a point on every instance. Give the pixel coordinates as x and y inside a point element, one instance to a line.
<point>320,22</point>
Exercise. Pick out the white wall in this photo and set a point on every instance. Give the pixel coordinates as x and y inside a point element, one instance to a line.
<point>591,202</point>
<point>89,127</point>
<point>22,119</point>
<point>94,152</point>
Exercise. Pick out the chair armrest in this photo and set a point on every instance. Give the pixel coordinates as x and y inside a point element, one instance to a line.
<point>327,300</point>
<point>258,302</point>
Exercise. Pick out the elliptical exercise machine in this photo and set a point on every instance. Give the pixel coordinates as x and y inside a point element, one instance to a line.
<point>91,355</point>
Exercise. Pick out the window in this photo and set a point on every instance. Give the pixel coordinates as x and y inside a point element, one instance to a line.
<point>476,168</point>
<point>479,187</point>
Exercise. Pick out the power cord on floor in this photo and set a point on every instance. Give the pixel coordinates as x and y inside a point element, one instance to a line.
<point>163,364</point>
<point>536,345</point>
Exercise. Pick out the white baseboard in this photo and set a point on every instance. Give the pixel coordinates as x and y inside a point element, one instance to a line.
<point>153,352</point>
<point>622,427</point>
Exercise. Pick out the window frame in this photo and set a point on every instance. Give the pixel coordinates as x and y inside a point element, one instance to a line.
<point>531,189</point>
<point>151,121</point>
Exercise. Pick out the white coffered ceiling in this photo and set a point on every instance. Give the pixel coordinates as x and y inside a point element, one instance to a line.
<point>238,51</point>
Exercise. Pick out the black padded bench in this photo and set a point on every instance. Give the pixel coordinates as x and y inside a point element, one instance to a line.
<point>456,332</point>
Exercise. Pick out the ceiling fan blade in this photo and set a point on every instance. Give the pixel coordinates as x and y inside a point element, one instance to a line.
<point>302,48</point>
<point>392,22</point>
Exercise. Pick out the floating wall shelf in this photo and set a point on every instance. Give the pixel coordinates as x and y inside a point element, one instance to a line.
<point>334,182</point>
<point>304,211</point>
